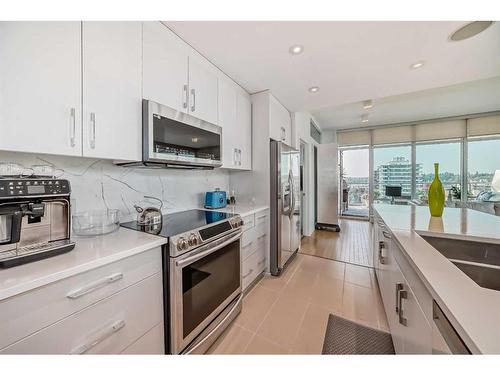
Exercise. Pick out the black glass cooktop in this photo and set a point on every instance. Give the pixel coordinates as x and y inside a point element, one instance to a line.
<point>180,222</point>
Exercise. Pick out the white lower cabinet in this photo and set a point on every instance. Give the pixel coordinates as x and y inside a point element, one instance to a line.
<point>153,342</point>
<point>254,247</point>
<point>107,327</point>
<point>104,310</point>
<point>410,329</point>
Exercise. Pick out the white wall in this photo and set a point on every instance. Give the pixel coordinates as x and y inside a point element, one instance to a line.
<point>301,131</point>
<point>99,184</point>
<point>329,136</point>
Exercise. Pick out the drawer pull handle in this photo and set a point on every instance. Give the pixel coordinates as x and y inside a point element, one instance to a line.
<point>248,274</point>
<point>94,286</point>
<point>386,234</point>
<point>262,261</point>
<point>115,327</point>
<point>381,246</point>
<point>262,217</point>
<point>261,236</point>
<point>247,245</point>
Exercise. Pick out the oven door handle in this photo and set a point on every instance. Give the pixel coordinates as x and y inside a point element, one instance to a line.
<point>195,257</point>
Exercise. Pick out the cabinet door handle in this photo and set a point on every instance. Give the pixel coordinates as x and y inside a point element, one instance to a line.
<point>193,104</point>
<point>248,273</point>
<point>381,246</point>
<point>107,332</point>
<point>386,234</point>
<point>261,236</point>
<point>399,286</point>
<point>235,156</point>
<point>94,286</point>
<point>401,294</point>
<point>72,130</point>
<point>247,245</point>
<point>186,96</point>
<point>92,130</point>
<point>239,157</point>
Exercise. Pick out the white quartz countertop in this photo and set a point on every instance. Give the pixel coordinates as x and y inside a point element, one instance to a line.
<point>242,209</point>
<point>89,253</point>
<point>474,311</point>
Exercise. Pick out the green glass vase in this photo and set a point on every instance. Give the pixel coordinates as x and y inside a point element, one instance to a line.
<point>436,194</point>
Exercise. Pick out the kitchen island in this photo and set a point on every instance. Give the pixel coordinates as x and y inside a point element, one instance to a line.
<point>472,310</point>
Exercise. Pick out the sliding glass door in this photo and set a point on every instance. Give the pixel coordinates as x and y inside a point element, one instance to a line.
<point>354,182</point>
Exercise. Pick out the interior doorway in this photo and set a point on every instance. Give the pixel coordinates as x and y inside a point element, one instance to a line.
<point>354,185</point>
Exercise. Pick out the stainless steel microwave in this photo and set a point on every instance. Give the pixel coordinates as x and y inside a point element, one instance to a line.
<point>176,139</point>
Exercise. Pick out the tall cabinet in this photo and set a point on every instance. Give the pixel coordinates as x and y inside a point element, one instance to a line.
<point>40,87</point>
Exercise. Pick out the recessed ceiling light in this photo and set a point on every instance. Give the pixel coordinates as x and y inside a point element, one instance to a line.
<point>470,30</point>
<point>314,89</point>
<point>194,140</point>
<point>417,65</point>
<point>364,118</point>
<point>296,49</point>
<point>367,104</point>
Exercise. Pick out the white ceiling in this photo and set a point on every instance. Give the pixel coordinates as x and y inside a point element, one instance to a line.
<point>349,61</point>
<point>456,100</point>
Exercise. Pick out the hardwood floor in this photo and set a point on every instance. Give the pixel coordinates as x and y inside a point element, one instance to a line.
<point>350,245</point>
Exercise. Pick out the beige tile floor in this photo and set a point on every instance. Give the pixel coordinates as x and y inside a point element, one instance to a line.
<point>289,314</point>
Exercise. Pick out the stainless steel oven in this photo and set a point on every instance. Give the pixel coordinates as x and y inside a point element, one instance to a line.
<point>177,139</point>
<point>205,293</point>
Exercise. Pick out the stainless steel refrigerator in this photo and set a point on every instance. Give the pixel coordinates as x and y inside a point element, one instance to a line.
<point>285,205</point>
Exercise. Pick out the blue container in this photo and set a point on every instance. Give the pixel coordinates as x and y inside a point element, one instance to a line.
<point>215,199</point>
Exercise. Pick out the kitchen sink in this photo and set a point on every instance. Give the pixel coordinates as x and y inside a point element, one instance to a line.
<point>478,260</point>
<point>487,277</point>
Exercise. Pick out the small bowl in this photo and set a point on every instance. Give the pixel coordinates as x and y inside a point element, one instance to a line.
<point>95,222</point>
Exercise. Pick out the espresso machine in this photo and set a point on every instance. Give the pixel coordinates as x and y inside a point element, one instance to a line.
<point>35,219</point>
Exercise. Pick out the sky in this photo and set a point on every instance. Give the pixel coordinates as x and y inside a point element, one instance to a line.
<point>484,156</point>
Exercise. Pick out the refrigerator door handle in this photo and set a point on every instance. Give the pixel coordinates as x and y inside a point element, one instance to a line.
<point>292,194</point>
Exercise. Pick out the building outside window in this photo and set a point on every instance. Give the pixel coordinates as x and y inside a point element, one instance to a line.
<point>448,156</point>
<point>392,167</point>
<point>483,162</point>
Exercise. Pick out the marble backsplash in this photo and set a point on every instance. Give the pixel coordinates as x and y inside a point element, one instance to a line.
<point>100,184</point>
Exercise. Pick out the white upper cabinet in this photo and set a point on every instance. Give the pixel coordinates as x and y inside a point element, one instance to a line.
<point>235,120</point>
<point>280,122</point>
<point>40,87</point>
<point>202,90</point>
<point>112,98</point>
<point>176,76</point>
<point>244,124</point>
<point>227,120</point>
<point>165,67</point>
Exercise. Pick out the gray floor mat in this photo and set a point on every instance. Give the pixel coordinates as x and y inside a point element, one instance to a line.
<point>346,337</point>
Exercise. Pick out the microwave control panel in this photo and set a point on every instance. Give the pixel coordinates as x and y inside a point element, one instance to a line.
<point>10,188</point>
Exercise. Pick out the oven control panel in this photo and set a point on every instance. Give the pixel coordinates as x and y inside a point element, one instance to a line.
<point>190,240</point>
<point>11,188</point>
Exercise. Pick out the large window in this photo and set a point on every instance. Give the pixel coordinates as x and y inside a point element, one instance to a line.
<point>448,157</point>
<point>392,173</point>
<point>482,163</point>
